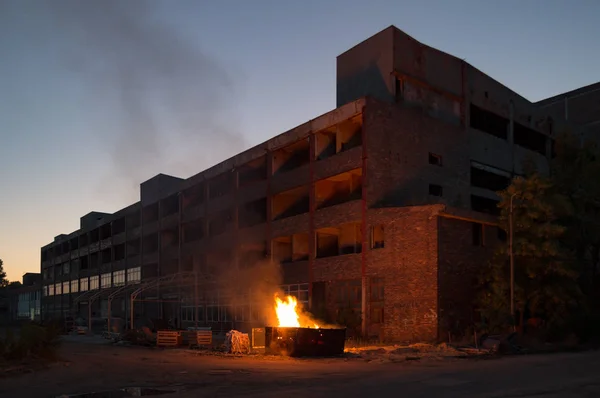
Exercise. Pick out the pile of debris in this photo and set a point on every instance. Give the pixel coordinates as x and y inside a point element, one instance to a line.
<point>237,342</point>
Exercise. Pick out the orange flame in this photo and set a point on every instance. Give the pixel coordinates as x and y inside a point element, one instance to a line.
<point>287,313</point>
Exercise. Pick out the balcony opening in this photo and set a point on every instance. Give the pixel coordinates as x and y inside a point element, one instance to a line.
<point>150,243</point>
<point>45,255</point>
<point>65,247</point>
<point>118,226</point>
<point>435,159</point>
<point>150,213</point>
<point>134,220</point>
<point>488,122</point>
<point>377,237</point>
<point>488,177</point>
<point>282,249</point>
<point>95,260</point>
<point>169,205</point>
<point>193,230</point>
<point>328,242</point>
<point>84,263</point>
<point>94,235</point>
<point>350,238</point>
<point>253,171</point>
<point>436,190</point>
<point>193,196</point>
<point>133,247</point>
<point>106,256</point>
<point>291,157</point>
<point>217,260</point>
<point>484,205</point>
<point>326,143</point>
<point>219,223</point>
<point>290,203</point>
<point>169,238</point>
<point>300,247</point>
<point>220,185</point>
<point>74,243</point>
<point>529,139</point>
<point>339,189</point>
<point>251,254</point>
<point>119,252</point>
<point>252,213</point>
<point>105,231</point>
<point>349,134</point>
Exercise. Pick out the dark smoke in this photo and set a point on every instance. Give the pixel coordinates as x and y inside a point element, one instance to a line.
<point>166,104</point>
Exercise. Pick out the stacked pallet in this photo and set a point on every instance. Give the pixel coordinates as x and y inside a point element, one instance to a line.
<point>168,338</point>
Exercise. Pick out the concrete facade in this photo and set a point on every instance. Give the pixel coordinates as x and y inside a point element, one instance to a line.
<point>382,209</point>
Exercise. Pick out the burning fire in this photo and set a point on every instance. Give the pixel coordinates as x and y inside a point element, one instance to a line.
<point>287,314</point>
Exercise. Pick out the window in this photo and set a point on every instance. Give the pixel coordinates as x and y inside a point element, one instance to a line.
<point>529,138</point>
<point>106,280</point>
<point>94,282</point>
<point>58,288</point>
<point>501,235</point>
<point>50,290</point>
<point>84,284</point>
<point>376,314</point>
<point>484,205</point>
<point>435,159</point>
<point>377,237</point>
<point>488,122</point>
<point>300,292</point>
<point>75,286</point>
<point>134,275</point>
<point>435,190</point>
<point>477,234</point>
<point>119,278</point>
<point>376,288</point>
<point>488,177</point>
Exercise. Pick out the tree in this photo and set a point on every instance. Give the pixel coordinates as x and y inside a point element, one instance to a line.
<point>545,282</point>
<point>3,280</point>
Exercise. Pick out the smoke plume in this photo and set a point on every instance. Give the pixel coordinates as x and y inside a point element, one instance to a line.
<point>165,105</point>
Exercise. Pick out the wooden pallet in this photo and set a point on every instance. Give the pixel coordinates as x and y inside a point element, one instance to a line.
<point>167,338</point>
<point>204,337</point>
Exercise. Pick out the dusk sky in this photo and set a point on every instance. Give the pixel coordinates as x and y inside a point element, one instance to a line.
<point>96,97</point>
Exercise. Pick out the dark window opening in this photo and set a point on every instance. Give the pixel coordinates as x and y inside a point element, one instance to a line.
<point>193,196</point>
<point>220,185</point>
<point>488,122</point>
<point>435,190</point>
<point>105,231</point>
<point>350,238</point>
<point>134,220</point>
<point>150,213</point>
<point>150,243</point>
<point>290,203</point>
<point>193,231</point>
<point>326,143</point>
<point>169,238</point>
<point>435,159</point>
<point>477,234</point>
<point>119,252</point>
<point>219,223</point>
<point>291,157</point>
<point>484,205</point>
<point>133,247</point>
<point>255,170</point>
<point>530,139</point>
<point>282,249</point>
<point>377,237</point>
<point>349,134</point>
<point>169,205</point>
<point>106,256</point>
<point>489,177</point>
<point>327,243</point>
<point>84,262</point>
<point>252,213</point>
<point>74,244</point>
<point>338,189</point>
<point>118,226</point>
<point>502,235</point>
<point>95,235</point>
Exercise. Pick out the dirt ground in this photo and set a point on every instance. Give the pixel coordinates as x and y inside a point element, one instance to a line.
<point>92,365</point>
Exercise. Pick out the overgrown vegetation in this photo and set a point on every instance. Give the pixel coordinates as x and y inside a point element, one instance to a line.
<point>556,247</point>
<point>33,342</point>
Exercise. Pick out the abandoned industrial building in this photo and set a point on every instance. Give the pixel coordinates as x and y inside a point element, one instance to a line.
<point>384,207</point>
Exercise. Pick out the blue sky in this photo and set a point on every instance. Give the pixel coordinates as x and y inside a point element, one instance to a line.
<point>93,102</point>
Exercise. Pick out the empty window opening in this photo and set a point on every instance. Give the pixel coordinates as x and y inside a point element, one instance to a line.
<point>94,235</point>
<point>435,159</point>
<point>74,243</point>
<point>134,219</point>
<point>291,157</point>
<point>377,289</point>
<point>290,203</point>
<point>219,223</point>
<point>169,238</point>
<point>328,242</point>
<point>253,171</point>
<point>252,213</point>
<point>95,260</point>
<point>119,252</point>
<point>118,226</point>
<point>326,143</point>
<point>528,138</point>
<point>169,266</point>
<point>349,134</point>
<point>66,268</point>
<point>252,253</point>
<point>484,205</point>
<point>488,122</point>
<point>193,231</point>
<point>282,249</point>
<point>339,189</point>
<point>218,260</point>
<point>106,256</point>
<point>169,205</point>
<point>502,235</point>
<point>65,246</point>
<point>84,263</point>
<point>377,237</point>
<point>350,238</point>
<point>436,190</point>
<point>45,255</point>
<point>150,213</point>
<point>150,243</point>
<point>300,247</point>
<point>105,231</point>
<point>489,177</point>
<point>477,234</point>
<point>133,247</point>
<point>220,185</point>
<point>193,196</point>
